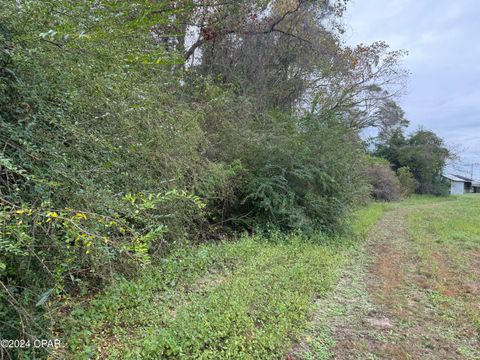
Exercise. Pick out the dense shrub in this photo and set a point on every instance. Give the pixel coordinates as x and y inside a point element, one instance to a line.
<point>384,182</point>
<point>112,153</point>
<point>98,153</point>
<point>293,172</point>
<point>440,186</point>
<point>407,181</point>
<point>303,180</point>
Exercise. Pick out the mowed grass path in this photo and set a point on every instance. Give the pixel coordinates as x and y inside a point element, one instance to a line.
<point>248,299</point>
<point>412,291</point>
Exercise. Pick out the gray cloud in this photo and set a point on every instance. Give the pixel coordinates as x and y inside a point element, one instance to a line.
<point>443,91</point>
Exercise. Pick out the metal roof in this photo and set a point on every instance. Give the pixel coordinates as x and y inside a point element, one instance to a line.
<point>457,178</point>
<point>460,178</point>
<point>464,178</point>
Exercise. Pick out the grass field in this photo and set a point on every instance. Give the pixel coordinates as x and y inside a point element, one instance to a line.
<point>404,285</point>
<point>412,290</point>
<point>447,241</point>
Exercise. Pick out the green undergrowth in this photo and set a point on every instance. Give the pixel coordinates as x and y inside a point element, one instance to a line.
<point>365,218</point>
<point>251,298</point>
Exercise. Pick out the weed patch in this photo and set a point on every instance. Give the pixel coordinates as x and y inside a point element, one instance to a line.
<point>247,299</point>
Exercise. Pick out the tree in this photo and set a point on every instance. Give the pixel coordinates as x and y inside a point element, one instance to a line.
<point>359,86</point>
<point>266,49</point>
<point>424,153</point>
<point>389,119</point>
<point>289,56</point>
<point>218,20</point>
<point>389,148</point>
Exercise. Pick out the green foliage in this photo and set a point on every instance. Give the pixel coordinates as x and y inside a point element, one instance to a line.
<point>88,115</point>
<point>113,153</point>
<point>277,168</point>
<point>219,188</point>
<point>304,180</point>
<point>407,181</point>
<point>424,153</point>
<point>375,160</point>
<point>247,299</point>
<point>72,252</point>
<point>390,147</point>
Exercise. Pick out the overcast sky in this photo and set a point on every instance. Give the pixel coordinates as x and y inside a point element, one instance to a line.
<point>442,37</point>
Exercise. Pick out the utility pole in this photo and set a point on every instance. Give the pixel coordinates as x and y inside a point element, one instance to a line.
<point>471,169</point>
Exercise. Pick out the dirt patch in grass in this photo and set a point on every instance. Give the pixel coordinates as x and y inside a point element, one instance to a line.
<point>376,331</point>
<point>387,272</point>
<point>443,278</point>
<point>399,299</point>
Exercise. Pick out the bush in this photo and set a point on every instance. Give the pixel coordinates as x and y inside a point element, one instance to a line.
<point>440,186</point>
<point>99,150</point>
<point>407,181</point>
<point>302,180</point>
<point>110,149</point>
<point>384,182</point>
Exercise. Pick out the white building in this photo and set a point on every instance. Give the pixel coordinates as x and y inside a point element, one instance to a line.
<point>460,185</point>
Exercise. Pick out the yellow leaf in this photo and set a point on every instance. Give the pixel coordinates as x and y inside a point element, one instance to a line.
<point>81,216</point>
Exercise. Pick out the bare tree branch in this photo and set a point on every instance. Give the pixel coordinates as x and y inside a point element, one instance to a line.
<point>272,27</point>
